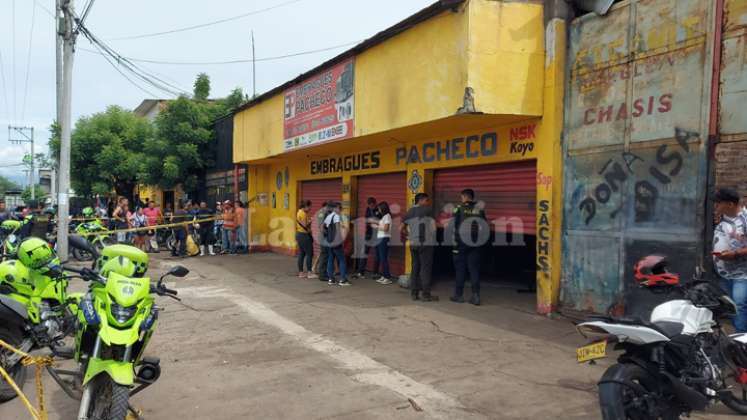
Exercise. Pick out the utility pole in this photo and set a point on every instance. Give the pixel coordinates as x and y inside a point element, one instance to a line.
<point>20,135</point>
<point>68,38</point>
<point>59,25</point>
<point>254,70</point>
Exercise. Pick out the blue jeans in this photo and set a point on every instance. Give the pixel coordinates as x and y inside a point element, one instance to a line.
<point>229,245</point>
<point>338,254</point>
<point>737,289</point>
<point>382,252</point>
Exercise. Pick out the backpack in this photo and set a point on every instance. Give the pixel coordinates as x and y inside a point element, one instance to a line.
<point>331,235</point>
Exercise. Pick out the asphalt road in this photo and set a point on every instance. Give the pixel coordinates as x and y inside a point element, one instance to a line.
<point>252,341</point>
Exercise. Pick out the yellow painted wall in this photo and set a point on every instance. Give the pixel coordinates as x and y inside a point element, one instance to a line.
<point>420,75</point>
<point>407,91</point>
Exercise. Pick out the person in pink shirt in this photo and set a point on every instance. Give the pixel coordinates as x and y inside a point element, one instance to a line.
<point>154,216</point>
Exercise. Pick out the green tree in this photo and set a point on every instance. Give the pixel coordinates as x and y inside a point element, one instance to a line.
<point>7,185</point>
<point>202,87</point>
<point>235,99</point>
<point>107,152</point>
<point>40,194</point>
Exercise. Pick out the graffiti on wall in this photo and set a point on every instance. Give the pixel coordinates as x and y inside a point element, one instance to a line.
<point>667,164</point>
<point>543,237</point>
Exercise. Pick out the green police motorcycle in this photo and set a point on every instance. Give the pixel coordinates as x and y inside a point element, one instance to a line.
<point>11,238</point>
<point>117,318</point>
<point>35,309</point>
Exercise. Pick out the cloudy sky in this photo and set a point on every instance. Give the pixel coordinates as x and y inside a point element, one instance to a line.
<point>289,27</point>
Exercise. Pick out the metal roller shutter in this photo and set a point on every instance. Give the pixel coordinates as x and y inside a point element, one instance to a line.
<point>391,188</point>
<point>507,189</point>
<point>319,192</point>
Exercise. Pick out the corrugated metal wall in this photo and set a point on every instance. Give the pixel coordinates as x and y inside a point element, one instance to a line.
<point>636,122</point>
<point>391,188</point>
<point>508,190</point>
<point>319,192</point>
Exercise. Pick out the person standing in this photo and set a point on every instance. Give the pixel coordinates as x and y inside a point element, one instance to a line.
<point>205,217</point>
<point>469,222</point>
<point>229,228</point>
<point>4,213</point>
<point>730,251</point>
<point>304,240</point>
<point>139,220</point>
<point>383,236</point>
<point>321,215</point>
<point>119,216</point>
<point>241,240</point>
<point>334,237</point>
<point>421,232</point>
<point>180,232</point>
<point>372,217</point>
<point>154,216</point>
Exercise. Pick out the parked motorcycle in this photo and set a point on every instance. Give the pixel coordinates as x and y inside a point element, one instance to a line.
<point>35,309</point>
<point>94,232</point>
<point>117,319</point>
<point>678,361</point>
<point>11,232</point>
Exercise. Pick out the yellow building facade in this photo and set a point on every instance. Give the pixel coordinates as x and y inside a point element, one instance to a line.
<point>464,94</point>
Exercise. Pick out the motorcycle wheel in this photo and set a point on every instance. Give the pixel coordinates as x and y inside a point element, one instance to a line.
<point>735,394</point>
<point>18,371</point>
<point>109,400</point>
<point>616,400</point>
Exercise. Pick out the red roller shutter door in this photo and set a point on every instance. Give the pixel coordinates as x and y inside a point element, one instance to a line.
<point>391,188</point>
<point>509,190</point>
<point>319,192</point>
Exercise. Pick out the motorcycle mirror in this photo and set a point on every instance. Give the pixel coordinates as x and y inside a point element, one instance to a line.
<point>178,271</point>
<point>79,242</point>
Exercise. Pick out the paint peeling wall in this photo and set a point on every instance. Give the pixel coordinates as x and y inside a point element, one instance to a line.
<point>635,163</point>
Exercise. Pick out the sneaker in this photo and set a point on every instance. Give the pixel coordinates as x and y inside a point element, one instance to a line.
<point>429,298</point>
<point>312,276</point>
<point>345,283</point>
<point>457,299</point>
<point>331,282</point>
<point>384,280</point>
<point>475,300</point>
<point>380,279</point>
<point>301,275</point>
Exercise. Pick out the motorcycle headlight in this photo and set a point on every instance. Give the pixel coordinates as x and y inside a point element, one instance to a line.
<point>121,313</point>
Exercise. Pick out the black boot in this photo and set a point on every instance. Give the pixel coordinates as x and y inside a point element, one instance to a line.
<point>428,297</point>
<point>457,299</point>
<point>414,294</point>
<point>475,299</point>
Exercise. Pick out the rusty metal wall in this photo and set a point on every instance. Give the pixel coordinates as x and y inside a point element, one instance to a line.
<point>636,122</point>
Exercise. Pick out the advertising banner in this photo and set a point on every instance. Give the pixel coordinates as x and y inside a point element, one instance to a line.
<point>320,108</point>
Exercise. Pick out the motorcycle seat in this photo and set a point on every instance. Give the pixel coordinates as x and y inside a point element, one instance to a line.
<point>667,328</point>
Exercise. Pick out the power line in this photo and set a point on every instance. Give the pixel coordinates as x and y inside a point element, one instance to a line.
<point>28,62</point>
<point>236,61</point>
<point>203,25</point>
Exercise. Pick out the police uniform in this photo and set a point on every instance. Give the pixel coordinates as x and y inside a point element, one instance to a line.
<point>467,250</point>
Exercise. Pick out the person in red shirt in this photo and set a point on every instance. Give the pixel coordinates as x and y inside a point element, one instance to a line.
<point>154,216</point>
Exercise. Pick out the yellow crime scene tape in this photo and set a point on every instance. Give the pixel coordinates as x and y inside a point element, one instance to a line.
<point>28,360</point>
<point>156,227</point>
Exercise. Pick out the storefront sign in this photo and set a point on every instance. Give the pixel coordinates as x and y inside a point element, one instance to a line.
<point>470,147</point>
<point>321,108</point>
<point>357,162</point>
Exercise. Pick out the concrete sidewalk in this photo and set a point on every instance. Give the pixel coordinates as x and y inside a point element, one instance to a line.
<point>251,340</point>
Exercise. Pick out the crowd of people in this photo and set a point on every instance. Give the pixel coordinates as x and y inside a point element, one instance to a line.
<point>419,227</point>
<point>223,226</point>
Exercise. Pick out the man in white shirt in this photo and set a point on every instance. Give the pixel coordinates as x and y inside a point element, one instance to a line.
<point>730,251</point>
<point>334,235</point>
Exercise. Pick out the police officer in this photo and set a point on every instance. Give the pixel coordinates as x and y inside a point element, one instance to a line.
<point>470,228</point>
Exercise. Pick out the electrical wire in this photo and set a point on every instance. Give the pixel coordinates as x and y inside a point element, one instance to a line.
<point>28,62</point>
<point>87,9</point>
<point>235,61</point>
<point>133,69</point>
<point>204,25</point>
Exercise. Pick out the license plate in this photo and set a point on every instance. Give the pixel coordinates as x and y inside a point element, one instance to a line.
<point>592,351</point>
